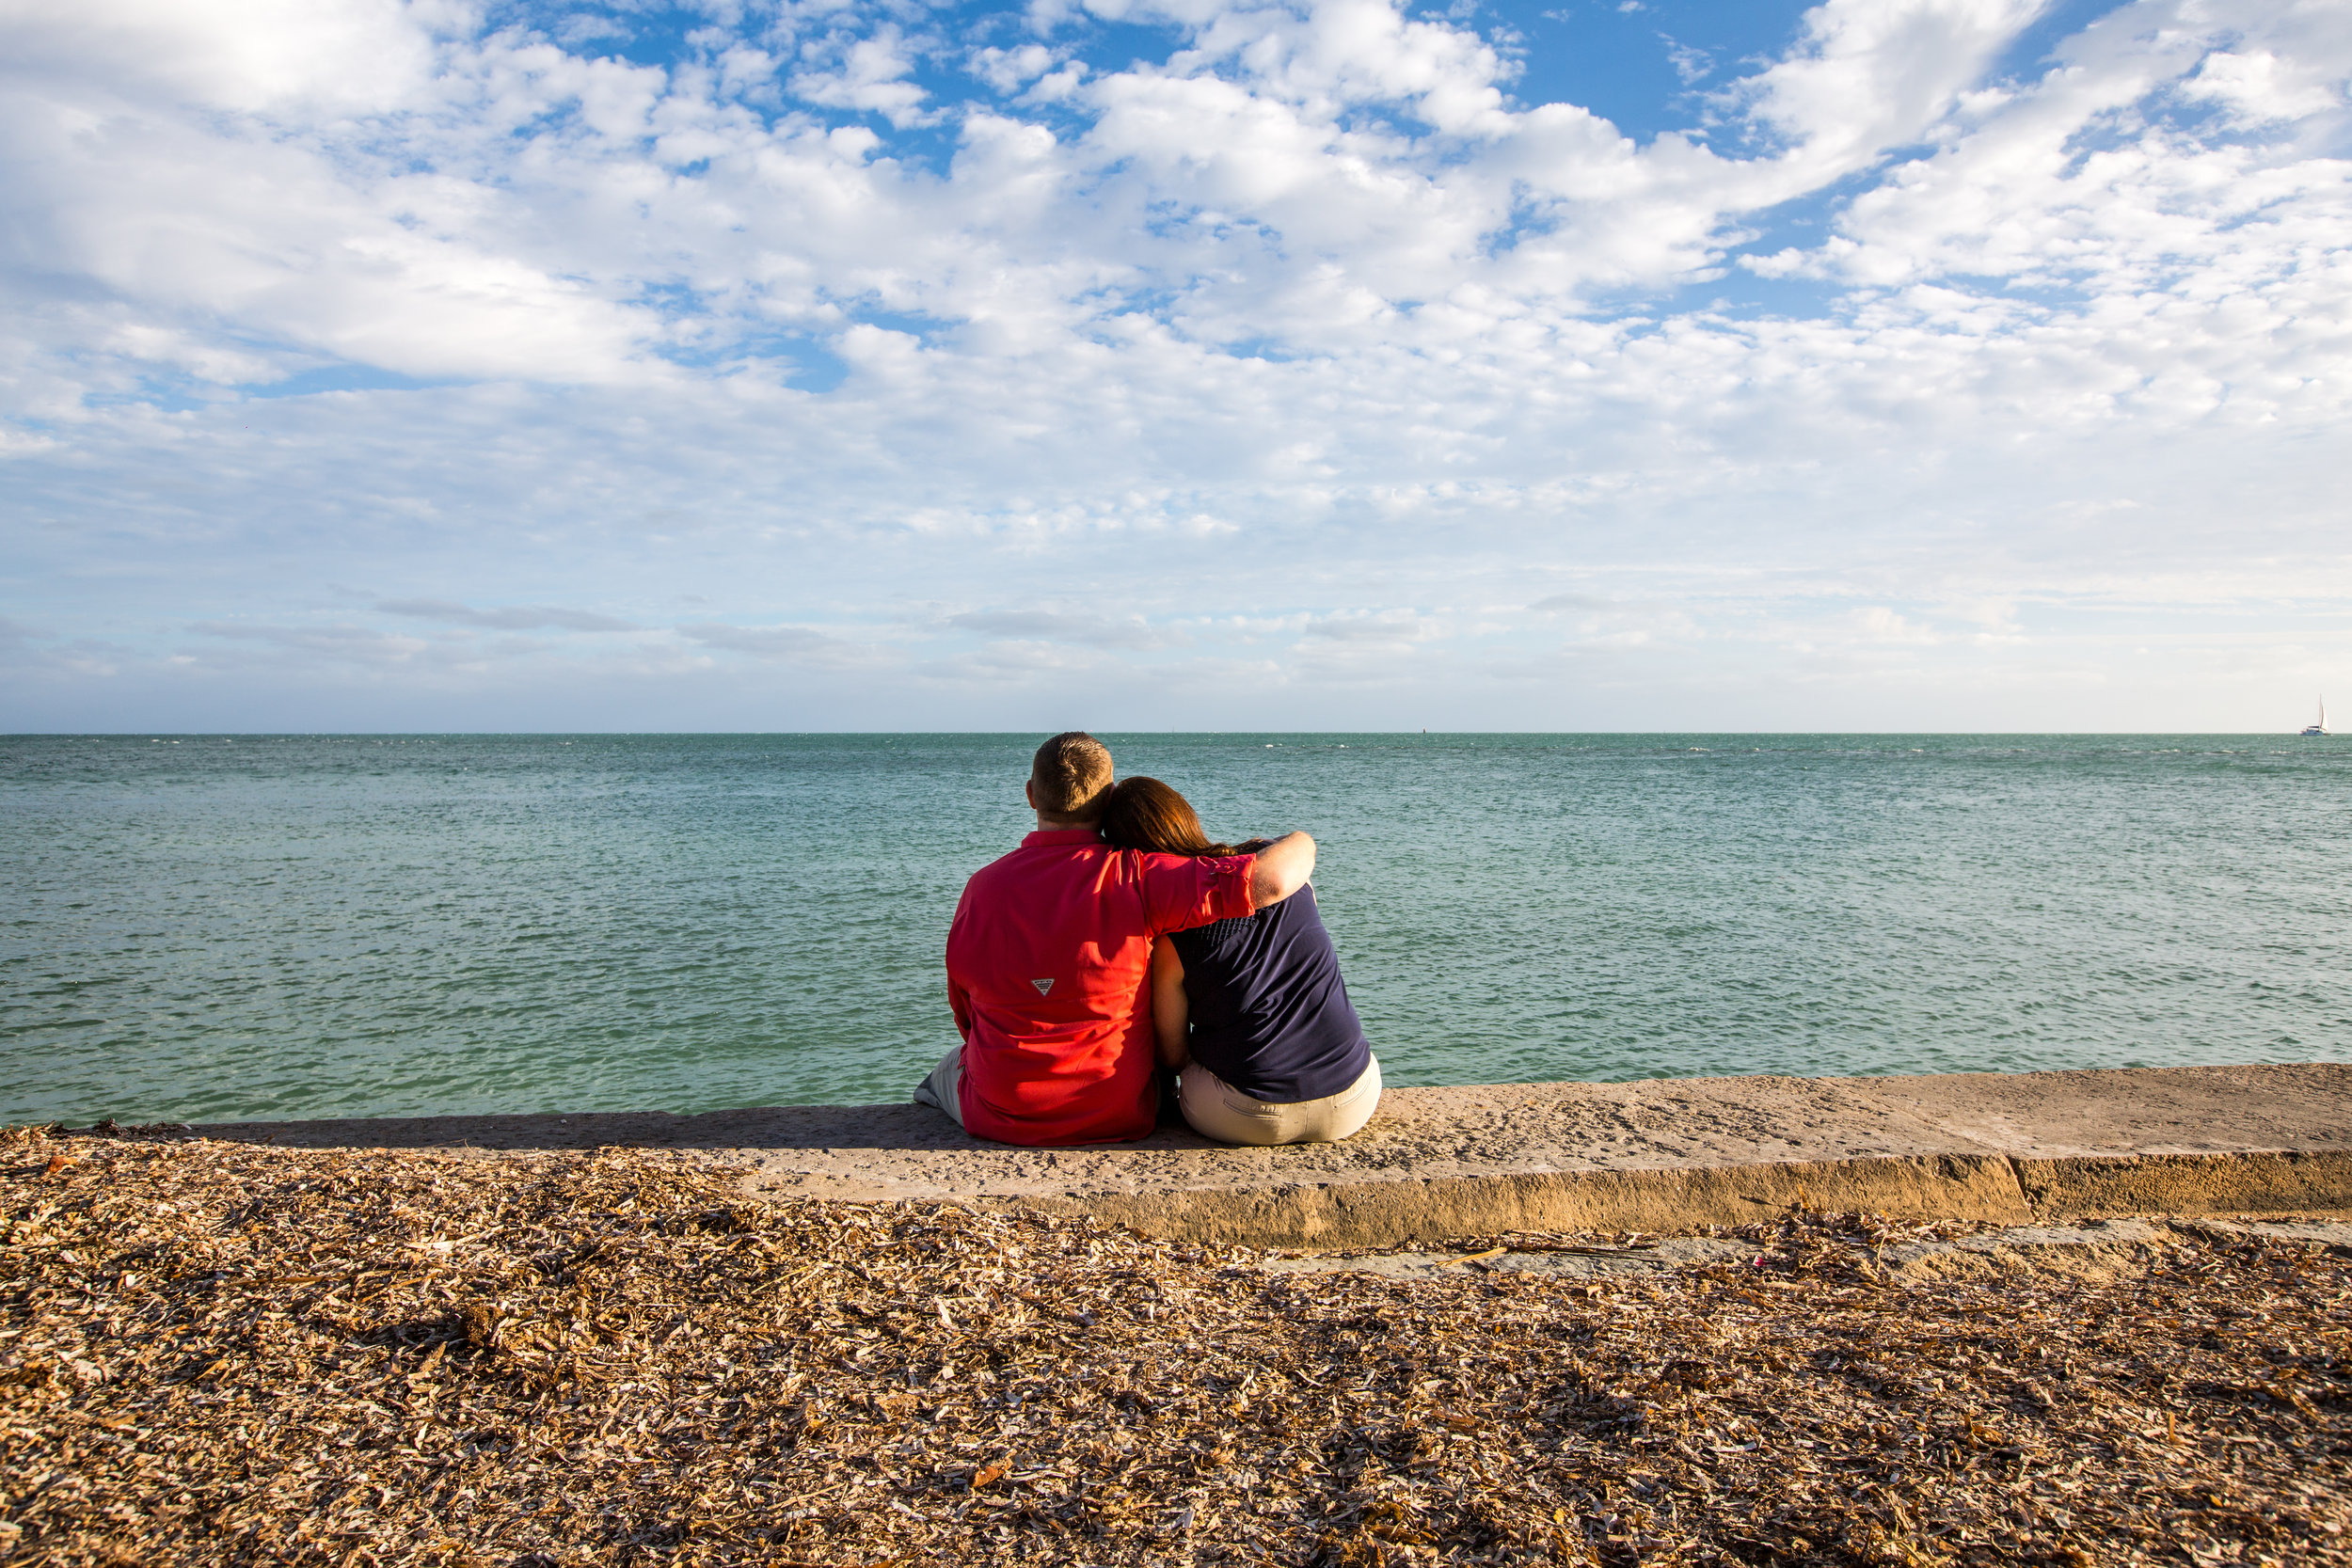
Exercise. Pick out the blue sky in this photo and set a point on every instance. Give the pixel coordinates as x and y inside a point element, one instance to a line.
<point>1917,364</point>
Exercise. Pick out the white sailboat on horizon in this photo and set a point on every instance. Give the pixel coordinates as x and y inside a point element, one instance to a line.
<point>2320,728</point>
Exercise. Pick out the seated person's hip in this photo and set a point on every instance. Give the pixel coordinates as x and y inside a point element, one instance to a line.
<point>1218,1109</point>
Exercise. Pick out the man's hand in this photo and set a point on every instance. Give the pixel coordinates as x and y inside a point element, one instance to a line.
<point>1281,869</point>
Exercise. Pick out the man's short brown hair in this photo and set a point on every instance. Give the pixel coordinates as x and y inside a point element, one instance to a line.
<point>1073,774</point>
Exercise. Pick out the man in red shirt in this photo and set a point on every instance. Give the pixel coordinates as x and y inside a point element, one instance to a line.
<point>1049,962</point>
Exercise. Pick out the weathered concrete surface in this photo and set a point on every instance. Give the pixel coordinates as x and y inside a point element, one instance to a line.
<point>1662,1156</point>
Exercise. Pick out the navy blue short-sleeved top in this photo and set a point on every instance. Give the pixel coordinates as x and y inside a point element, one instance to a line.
<point>1270,1014</point>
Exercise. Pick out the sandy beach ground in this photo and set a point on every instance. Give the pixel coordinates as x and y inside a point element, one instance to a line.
<point>220,1351</point>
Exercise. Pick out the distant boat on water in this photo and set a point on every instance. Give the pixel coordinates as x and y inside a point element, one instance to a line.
<point>2320,728</point>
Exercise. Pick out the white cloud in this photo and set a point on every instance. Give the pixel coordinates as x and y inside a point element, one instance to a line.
<point>251,56</point>
<point>1398,628</point>
<point>2260,88</point>
<point>1874,74</point>
<point>1095,631</point>
<point>1691,65</point>
<point>868,75</point>
<point>786,643</point>
<point>1878,624</point>
<point>333,644</point>
<point>1009,70</point>
<point>505,617</point>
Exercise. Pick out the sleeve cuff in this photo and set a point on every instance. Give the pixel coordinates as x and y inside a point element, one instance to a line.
<point>1232,896</point>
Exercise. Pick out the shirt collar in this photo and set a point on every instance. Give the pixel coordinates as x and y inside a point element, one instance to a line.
<point>1060,835</point>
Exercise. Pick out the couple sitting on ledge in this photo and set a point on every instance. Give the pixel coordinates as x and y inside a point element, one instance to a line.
<point>1118,943</point>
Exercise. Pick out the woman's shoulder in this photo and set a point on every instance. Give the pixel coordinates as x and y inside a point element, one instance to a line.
<point>1276,927</point>
<point>1216,934</point>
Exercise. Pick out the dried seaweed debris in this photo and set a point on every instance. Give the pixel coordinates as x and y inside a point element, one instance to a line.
<point>216,1353</point>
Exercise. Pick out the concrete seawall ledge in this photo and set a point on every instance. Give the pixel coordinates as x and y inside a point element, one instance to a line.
<point>1663,1155</point>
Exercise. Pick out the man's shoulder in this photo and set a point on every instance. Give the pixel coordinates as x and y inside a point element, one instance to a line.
<point>1060,886</point>
<point>1091,862</point>
<point>1029,861</point>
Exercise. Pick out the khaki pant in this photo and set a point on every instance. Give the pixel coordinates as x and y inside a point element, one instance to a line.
<point>1221,1112</point>
<point>944,1089</point>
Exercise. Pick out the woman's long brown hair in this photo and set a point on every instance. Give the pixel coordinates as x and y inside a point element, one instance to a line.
<point>1145,814</point>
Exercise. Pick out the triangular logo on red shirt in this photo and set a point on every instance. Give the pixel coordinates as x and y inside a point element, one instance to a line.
<point>1043,985</point>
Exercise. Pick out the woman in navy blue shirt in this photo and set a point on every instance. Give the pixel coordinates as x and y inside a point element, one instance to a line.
<point>1251,1013</point>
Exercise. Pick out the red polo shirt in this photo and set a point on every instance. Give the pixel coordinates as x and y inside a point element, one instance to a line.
<point>1048,970</point>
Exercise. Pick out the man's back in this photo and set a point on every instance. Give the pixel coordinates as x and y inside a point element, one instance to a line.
<point>1048,963</point>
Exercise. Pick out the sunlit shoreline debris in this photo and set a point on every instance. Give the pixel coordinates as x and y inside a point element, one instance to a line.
<point>219,1352</point>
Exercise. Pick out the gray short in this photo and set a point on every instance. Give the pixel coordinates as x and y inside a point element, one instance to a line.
<point>944,1089</point>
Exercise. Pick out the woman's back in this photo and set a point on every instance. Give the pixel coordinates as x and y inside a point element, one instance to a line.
<point>1270,1014</point>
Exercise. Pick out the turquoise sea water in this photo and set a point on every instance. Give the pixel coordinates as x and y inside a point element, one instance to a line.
<point>208,927</point>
